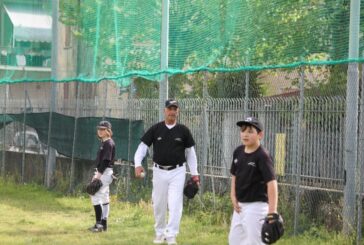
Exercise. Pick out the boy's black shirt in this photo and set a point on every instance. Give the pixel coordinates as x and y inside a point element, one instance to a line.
<point>253,171</point>
<point>105,155</point>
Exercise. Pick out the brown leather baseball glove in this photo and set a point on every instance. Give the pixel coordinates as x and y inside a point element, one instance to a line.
<point>93,187</point>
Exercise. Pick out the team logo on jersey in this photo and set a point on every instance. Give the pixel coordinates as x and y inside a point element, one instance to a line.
<point>159,138</point>
<point>251,164</point>
<point>178,139</point>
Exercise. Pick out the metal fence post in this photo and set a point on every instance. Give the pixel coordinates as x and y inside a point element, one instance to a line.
<point>360,182</point>
<point>51,157</point>
<point>72,171</point>
<point>163,85</point>
<point>350,152</point>
<point>246,96</point>
<point>298,148</point>
<point>4,132</point>
<point>129,166</point>
<point>351,123</point>
<point>24,134</point>
<point>205,133</point>
<point>105,99</point>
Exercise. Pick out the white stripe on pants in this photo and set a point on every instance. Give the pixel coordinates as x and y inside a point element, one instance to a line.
<point>246,226</point>
<point>168,193</point>
<point>103,195</point>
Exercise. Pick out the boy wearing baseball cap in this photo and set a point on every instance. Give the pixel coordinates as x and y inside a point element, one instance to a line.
<point>254,191</point>
<point>105,161</point>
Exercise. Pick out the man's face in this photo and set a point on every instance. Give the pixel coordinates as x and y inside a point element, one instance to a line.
<point>171,113</point>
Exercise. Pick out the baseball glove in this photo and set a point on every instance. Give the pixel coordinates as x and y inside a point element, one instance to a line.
<point>190,189</point>
<point>272,228</point>
<point>93,187</point>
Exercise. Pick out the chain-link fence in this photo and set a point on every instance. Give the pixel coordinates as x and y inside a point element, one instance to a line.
<point>304,130</point>
<point>64,65</point>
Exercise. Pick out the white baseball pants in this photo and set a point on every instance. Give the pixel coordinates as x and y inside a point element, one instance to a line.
<point>103,195</point>
<point>168,194</point>
<point>246,226</point>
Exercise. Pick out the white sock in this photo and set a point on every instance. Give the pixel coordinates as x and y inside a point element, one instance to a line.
<point>105,210</point>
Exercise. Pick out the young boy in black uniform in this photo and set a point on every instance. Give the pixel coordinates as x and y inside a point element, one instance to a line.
<point>254,191</point>
<point>104,171</point>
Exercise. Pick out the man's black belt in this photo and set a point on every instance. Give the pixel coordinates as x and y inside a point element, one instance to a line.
<point>168,167</point>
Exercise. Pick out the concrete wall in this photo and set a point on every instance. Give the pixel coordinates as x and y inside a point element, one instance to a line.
<point>34,169</point>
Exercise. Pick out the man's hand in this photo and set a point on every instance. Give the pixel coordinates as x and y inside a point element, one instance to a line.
<point>196,179</point>
<point>138,171</point>
<point>192,186</point>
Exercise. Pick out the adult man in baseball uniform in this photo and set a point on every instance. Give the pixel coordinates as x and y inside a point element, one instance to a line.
<point>173,146</point>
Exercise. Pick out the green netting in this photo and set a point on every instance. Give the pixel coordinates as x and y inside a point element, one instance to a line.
<point>126,132</point>
<point>120,39</point>
<point>4,120</point>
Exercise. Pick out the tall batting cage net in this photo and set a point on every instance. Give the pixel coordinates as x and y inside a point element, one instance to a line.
<point>296,65</point>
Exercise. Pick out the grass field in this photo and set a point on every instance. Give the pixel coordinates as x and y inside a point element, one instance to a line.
<point>32,215</point>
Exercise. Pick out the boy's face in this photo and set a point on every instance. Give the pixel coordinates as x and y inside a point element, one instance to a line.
<point>250,136</point>
<point>101,132</point>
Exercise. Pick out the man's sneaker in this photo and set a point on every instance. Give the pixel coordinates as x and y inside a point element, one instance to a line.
<point>171,240</point>
<point>159,239</point>
<point>96,228</point>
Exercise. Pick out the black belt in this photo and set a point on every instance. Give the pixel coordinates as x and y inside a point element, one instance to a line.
<point>168,167</point>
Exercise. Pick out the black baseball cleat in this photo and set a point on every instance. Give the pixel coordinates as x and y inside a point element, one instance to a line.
<point>104,224</point>
<point>97,228</point>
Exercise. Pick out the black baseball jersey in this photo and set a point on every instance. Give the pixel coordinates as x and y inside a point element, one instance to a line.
<point>168,144</point>
<point>105,155</point>
<point>252,171</point>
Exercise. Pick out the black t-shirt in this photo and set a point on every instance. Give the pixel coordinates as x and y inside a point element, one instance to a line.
<point>168,144</point>
<point>105,155</point>
<point>252,171</point>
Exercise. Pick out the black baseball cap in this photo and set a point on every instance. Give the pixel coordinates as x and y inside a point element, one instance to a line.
<point>171,102</point>
<point>104,124</point>
<point>251,121</point>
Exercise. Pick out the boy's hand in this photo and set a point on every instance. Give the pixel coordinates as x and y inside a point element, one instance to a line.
<point>97,175</point>
<point>272,228</point>
<point>236,205</point>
